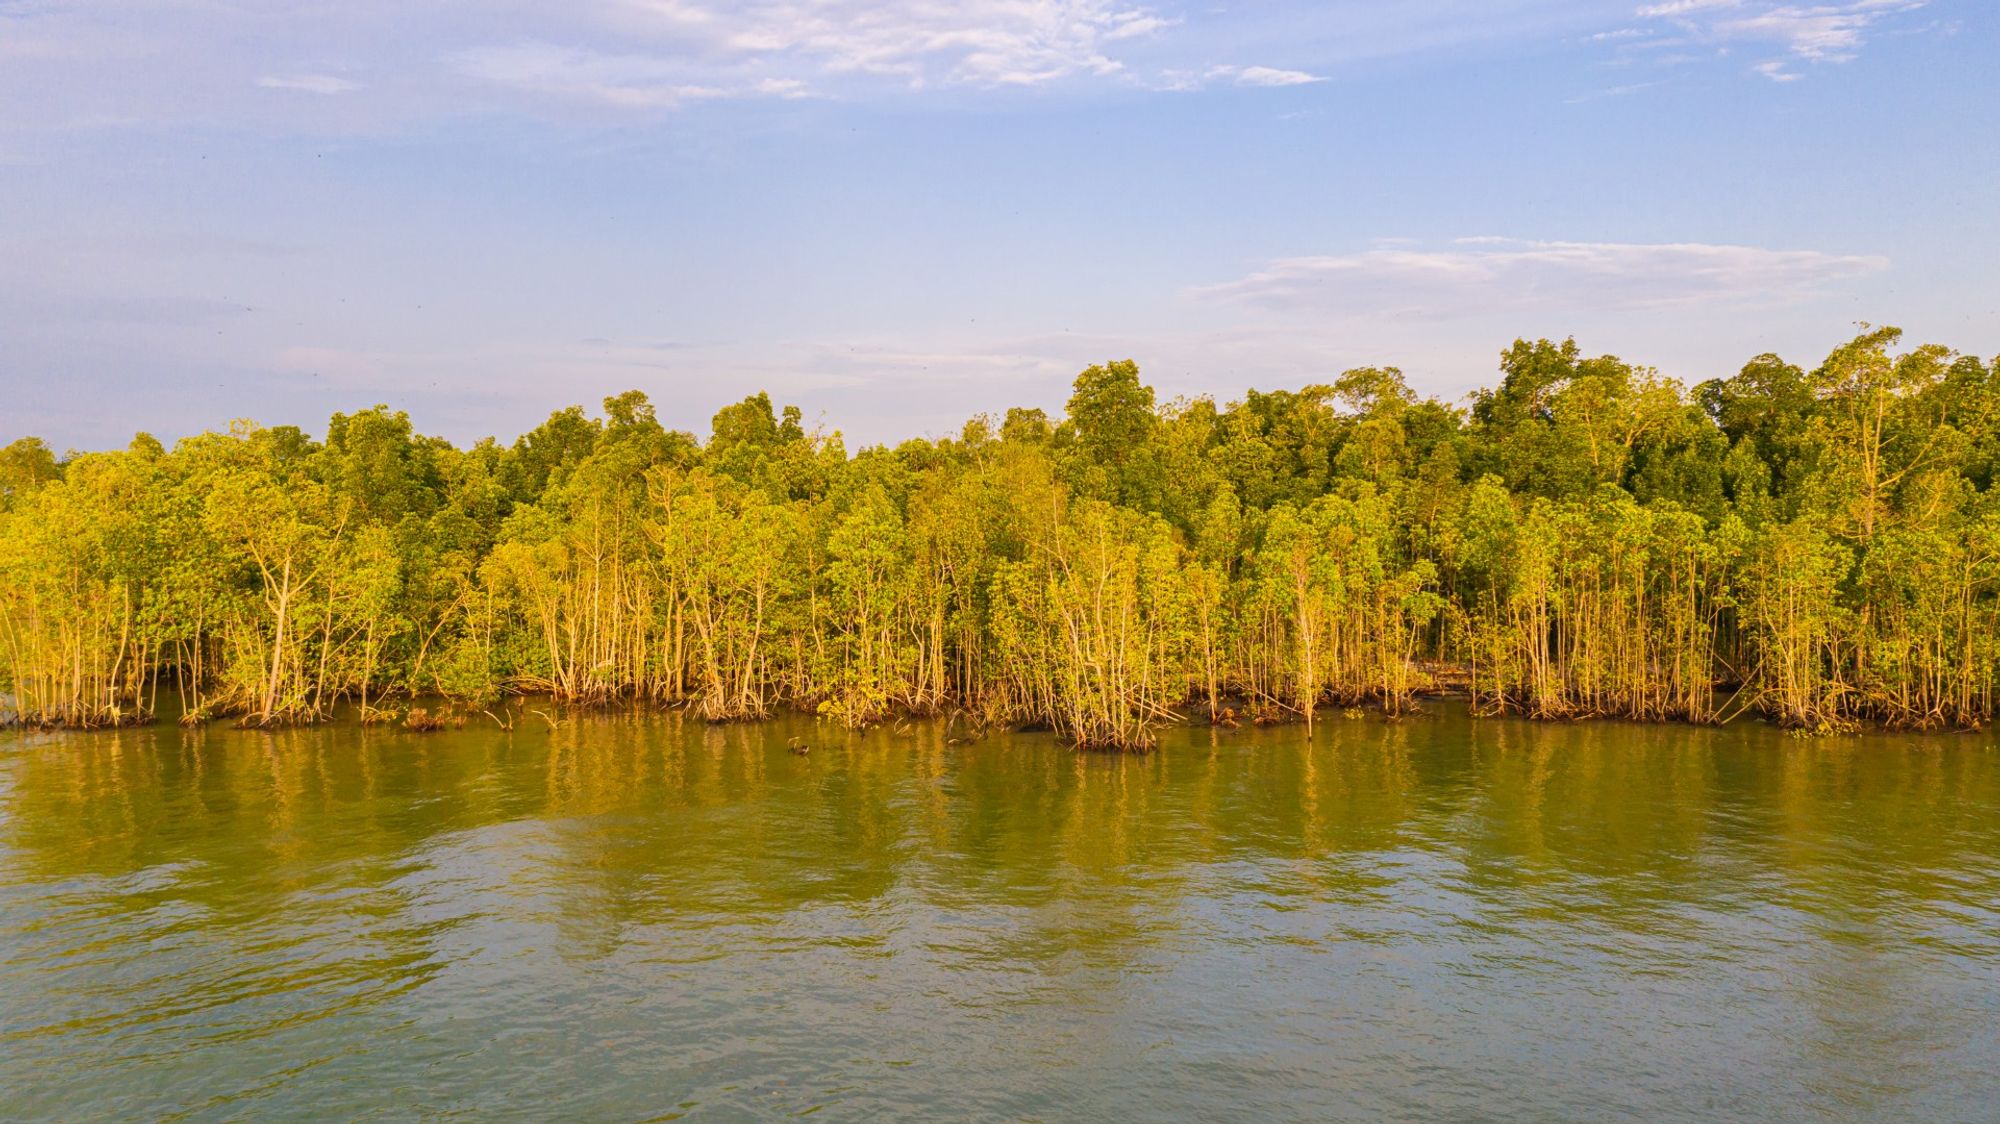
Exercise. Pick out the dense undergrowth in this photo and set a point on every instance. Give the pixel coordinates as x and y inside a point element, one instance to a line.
<point>1585,539</point>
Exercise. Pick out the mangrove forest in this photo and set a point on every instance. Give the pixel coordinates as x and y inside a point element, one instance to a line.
<point>1586,538</point>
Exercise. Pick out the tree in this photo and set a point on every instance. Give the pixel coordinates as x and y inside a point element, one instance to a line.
<point>1589,538</point>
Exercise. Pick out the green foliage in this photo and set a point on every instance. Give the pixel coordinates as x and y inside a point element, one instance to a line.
<point>25,466</point>
<point>1587,538</point>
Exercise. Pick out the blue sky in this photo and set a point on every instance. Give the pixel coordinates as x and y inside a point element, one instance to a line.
<point>899,214</point>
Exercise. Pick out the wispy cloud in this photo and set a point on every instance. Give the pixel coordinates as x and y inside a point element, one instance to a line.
<point>1226,75</point>
<point>677,51</point>
<point>392,62</point>
<point>913,43</point>
<point>1787,35</point>
<point>982,42</point>
<point>306,83</point>
<point>1482,275</point>
<point>1827,33</point>
<point>1267,76</point>
<point>892,387</point>
<point>1683,8</point>
<point>625,81</point>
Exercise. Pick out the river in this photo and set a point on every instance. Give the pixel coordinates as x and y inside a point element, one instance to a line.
<point>636,917</point>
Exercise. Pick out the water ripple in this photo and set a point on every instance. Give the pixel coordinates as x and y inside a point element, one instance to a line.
<point>636,918</point>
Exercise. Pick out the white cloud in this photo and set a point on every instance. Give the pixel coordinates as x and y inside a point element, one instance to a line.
<point>1137,24</point>
<point>675,51</point>
<point>1683,7</point>
<point>782,88</point>
<point>1829,33</point>
<point>1258,76</point>
<point>1798,33</point>
<point>1484,275</point>
<point>306,83</point>
<point>80,62</point>
<point>916,43</point>
<point>1266,76</point>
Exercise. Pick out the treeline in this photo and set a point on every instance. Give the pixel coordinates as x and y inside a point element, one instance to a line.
<point>1586,538</point>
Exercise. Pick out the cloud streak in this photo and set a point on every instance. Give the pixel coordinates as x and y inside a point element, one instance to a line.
<point>1268,76</point>
<point>576,74</point>
<point>1487,275</point>
<point>372,65</point>
<point>1787,35</point>
<point>979,42</point>
<point>675,51</point>
<point>323,84</point>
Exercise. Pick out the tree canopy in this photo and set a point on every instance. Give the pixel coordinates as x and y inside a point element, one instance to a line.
<point>1586,537</point>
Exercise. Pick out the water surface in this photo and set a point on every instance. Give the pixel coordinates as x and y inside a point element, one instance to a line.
<point>635,917</point>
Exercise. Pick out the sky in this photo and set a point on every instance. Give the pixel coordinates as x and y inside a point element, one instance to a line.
<point>899,214</point>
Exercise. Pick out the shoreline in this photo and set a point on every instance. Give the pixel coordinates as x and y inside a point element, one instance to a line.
<point>434,714</point>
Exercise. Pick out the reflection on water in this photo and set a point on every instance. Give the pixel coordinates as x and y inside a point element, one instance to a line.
<point>634,917</point>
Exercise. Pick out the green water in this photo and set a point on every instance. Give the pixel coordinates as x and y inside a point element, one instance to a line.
<point>634,917</point>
